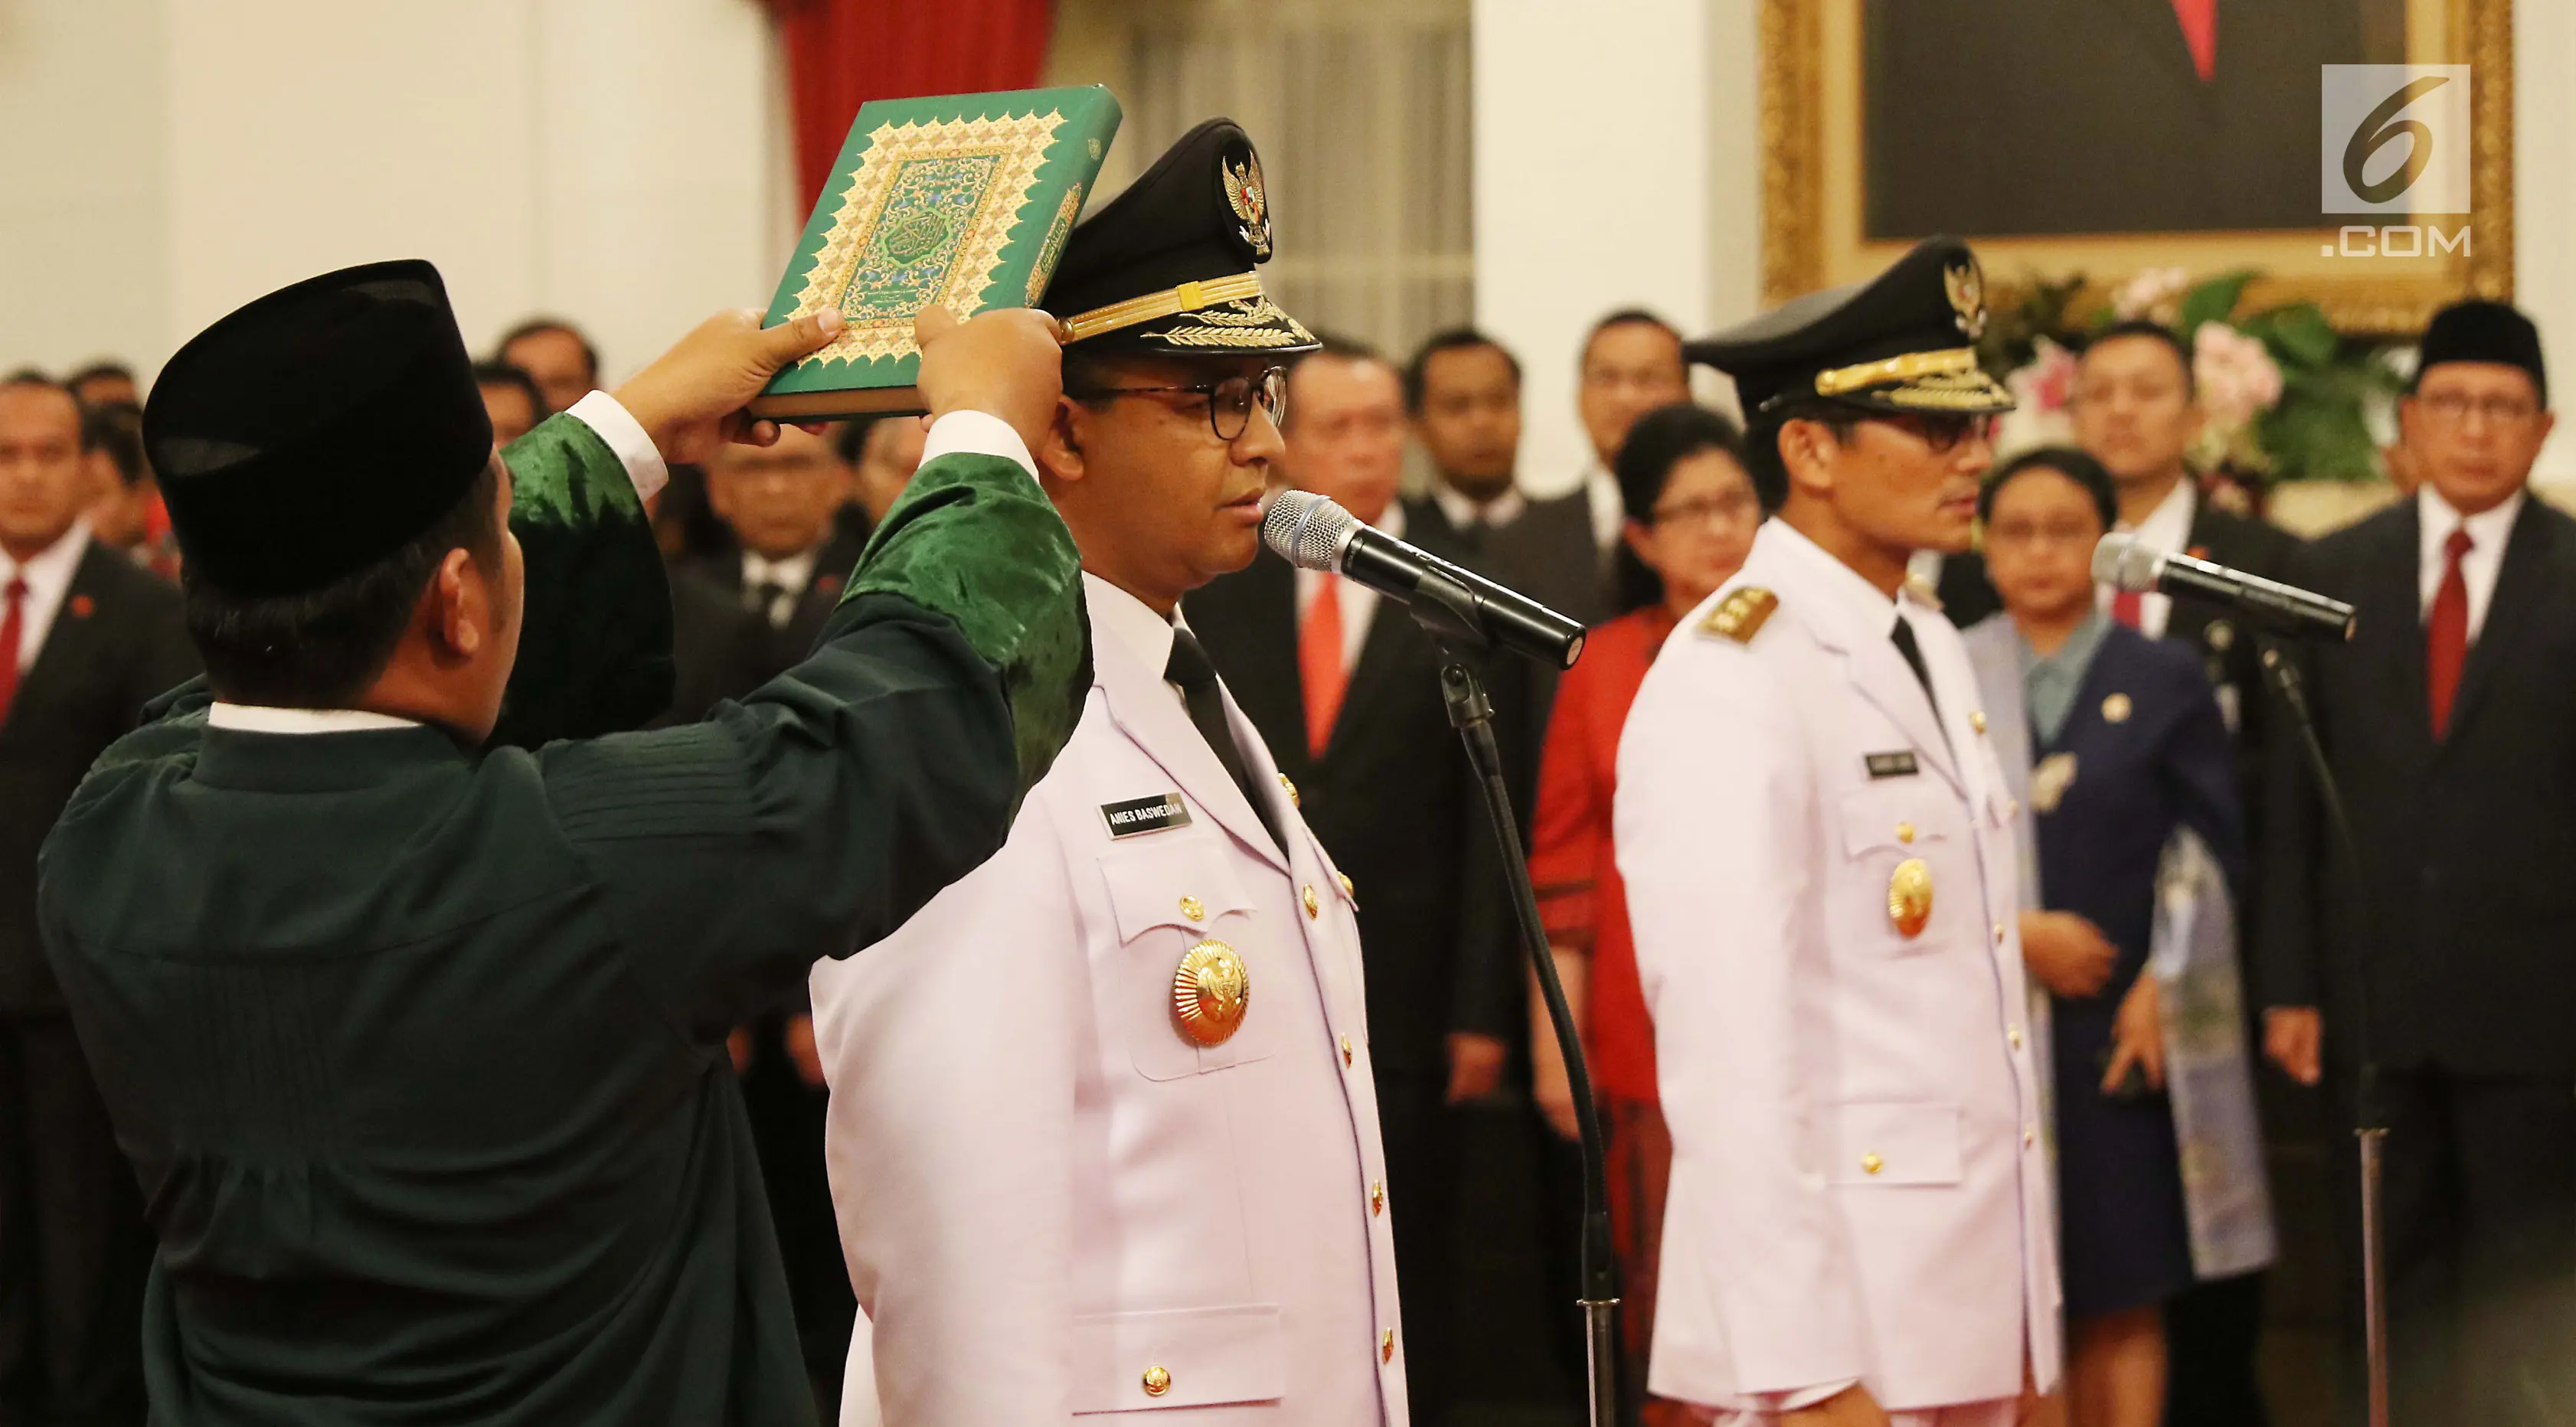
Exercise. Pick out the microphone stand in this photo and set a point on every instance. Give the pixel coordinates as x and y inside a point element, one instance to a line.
<point>2369,1126</point>
<point>1447,613</point>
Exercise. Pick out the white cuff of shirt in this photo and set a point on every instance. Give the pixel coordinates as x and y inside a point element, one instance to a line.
<point>977,433</point>
<point>615,425</point>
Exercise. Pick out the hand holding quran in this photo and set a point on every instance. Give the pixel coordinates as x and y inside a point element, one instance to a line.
<point>1007,363</point>
<point>691,399</point>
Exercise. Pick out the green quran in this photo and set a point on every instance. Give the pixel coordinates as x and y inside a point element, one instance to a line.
<point>962,201</point>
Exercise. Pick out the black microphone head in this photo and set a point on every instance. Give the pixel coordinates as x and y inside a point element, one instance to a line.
<point>2124,564</point>
<point>1307,530</point>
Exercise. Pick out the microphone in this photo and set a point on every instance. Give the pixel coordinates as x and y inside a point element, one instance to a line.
<point>2123,564</point>
<point>1312,533</point>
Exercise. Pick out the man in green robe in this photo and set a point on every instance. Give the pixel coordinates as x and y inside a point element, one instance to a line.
<point>412,1020</point>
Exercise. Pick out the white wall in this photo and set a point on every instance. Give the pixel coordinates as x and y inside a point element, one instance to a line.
<point>1619,160</point>
<point>614,161</point>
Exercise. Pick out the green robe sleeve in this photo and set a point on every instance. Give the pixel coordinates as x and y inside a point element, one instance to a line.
<point>818,814</point>
<point>595,638</point>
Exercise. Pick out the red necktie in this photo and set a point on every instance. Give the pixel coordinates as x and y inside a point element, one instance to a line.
<point>2446,634</point>
<point>13,630</point>
<point>2130,608</point>
<point>2200,31</point>
<point>1319,663</point>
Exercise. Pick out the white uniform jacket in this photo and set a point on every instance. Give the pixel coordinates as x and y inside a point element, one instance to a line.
<point>1859,1188</point>
<point>1052,1201</point>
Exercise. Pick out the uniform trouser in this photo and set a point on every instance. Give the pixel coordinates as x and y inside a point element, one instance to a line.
<point>2479,1215</point>
<point>73,1247</point>
<point>1420,1133</point>
<point>2003,1413</point>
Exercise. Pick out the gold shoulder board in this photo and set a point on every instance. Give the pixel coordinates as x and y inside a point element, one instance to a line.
<point>1740,615</point>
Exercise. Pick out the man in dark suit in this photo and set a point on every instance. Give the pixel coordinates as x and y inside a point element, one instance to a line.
<point>1463,391</point>
<point>2137,411</point>
<point>2092,116</point>
<point>790,557</point>
<point>2450,967</point>
<point>1346,691</point>
<point>86,637</point>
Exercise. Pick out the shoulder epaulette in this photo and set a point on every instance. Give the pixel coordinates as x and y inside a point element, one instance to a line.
<point>1740,615</point>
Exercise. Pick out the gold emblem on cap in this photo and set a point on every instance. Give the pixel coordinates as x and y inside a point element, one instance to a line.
<point>1741,614</point>
<point>1210,993</point>
<point>1243,194</point>
<point>1967,289</point>
<point>1909,897</point>
<point>2116,709</point>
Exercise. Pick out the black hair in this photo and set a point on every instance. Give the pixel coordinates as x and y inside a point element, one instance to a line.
<point>1762,459</point>
<point>322,648</point>
<point>2145,327</point>
<point>35,377</point>
<point>1660,440</point>
<point>2066,461</point>
<point>95,370</point>
<point>535,325</point>
<point>117,429</point>
<point>1456,339</point>
<point>1624,317</point>
<point>510,374</point>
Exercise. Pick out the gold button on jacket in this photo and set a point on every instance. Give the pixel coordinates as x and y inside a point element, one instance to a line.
<point>1157,1381</point>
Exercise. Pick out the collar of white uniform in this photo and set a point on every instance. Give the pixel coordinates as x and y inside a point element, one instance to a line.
<point>261,718</point>
<point>1145,635</point>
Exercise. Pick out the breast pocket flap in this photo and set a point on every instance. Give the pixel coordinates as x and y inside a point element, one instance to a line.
<point>1896,815</point>
<point>1191,1357</point>
<point>1895,1144</point>
<point>1184,884</point>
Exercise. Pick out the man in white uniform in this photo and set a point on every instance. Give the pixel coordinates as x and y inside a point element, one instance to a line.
<point>1819,855</point>
<point>1102,1134</point>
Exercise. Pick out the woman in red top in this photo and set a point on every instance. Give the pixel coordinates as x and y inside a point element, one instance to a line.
<point>1691,517</point>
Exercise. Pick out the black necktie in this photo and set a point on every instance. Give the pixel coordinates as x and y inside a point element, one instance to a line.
<point>1913,652</point>
<point>1189,668</point>
<point>765,600</point>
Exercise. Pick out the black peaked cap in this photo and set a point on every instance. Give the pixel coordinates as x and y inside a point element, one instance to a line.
<point>1902,341</point>
<point>1199,217</point>
<point>317,430</point>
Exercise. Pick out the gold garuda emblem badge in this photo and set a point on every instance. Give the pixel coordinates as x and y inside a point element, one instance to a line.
<point>1967,289</point>
<point>1210,992</point>
<point>1909,897</point>
<point>1251,208</point>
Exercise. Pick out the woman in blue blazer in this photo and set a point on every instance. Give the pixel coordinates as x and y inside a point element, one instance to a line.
<point>2126,746</point>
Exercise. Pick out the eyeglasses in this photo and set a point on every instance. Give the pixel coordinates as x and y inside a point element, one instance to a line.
<point>2454,407</point>
<point>1230,402</point>
<point>1706,510</point>
<point>2019,534</point>
<point>1940,432</point>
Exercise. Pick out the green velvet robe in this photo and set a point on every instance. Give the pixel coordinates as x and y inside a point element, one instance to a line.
<point>418,1049</point>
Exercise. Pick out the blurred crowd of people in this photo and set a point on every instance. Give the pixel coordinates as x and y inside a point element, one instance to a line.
<point>2455,772</point>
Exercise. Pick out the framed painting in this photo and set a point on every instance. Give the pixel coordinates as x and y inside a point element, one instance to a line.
<point>2109,137</point>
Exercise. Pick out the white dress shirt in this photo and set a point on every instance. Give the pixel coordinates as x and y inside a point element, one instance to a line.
<point>787,576</point>
<point>967,431</point>
<point>2167,531</point>
<point>1134,624</point>
<point>2488,532</point>
<point>1465,514</point>
<point>1358,602</point>
<point>1609,507</point>
<point>48,574</point>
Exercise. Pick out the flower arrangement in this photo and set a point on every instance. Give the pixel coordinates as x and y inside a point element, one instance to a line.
<point>2287,397</point>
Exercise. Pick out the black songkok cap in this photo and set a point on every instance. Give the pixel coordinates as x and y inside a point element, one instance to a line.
<point>1903,341</point>
<point>317,430</point>
<point>2480,331</point>
<point>1169,267</point>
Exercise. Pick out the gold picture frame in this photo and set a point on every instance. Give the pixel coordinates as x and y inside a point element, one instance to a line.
<point>1812,237</point>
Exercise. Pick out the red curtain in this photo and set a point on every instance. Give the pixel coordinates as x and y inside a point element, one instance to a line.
<point>842,53</point>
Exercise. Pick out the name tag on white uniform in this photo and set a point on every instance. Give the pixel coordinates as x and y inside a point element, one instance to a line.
<point>1139,816</point>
